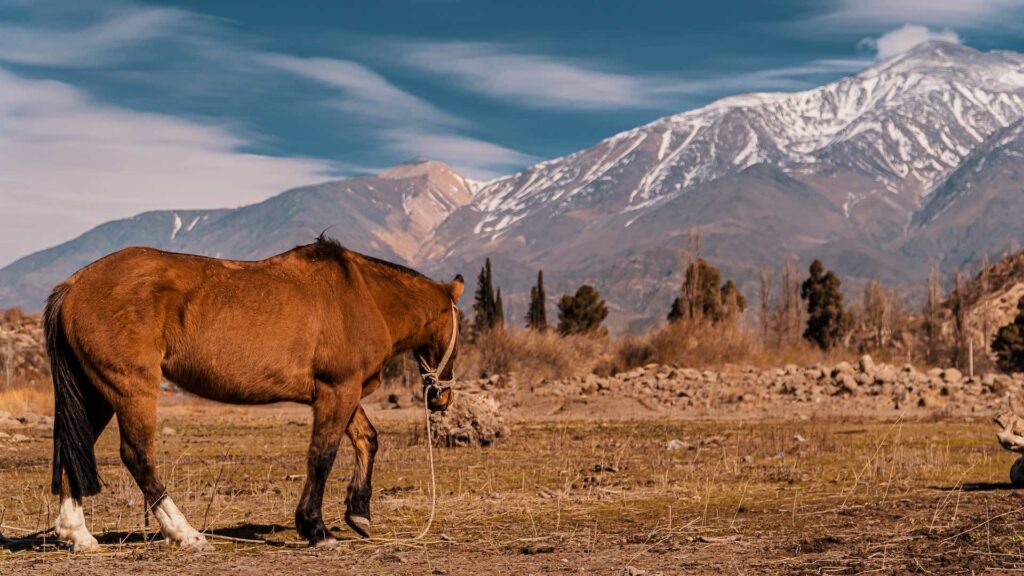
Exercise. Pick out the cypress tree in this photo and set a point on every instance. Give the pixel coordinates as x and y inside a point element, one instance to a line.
<point>826,319</point>
<point>701,297</point>
<point>499,312</point>
<point>536,315</point>
<point>484,314</point>
<point>582,313</point>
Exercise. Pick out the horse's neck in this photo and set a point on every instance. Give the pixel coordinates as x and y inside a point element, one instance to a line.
<point>404,302</point>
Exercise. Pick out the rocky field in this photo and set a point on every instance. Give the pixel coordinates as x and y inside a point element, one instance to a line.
<point>863,387</point>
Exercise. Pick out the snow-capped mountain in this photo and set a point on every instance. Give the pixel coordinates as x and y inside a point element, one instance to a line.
<point>917,158</point>
<point>899,127</point>
<point>838,171</point>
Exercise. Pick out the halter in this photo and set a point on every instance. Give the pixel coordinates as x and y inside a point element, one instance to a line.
<point>432,376</point>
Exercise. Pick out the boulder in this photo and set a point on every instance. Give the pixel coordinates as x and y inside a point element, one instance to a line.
<point>952,375</point>
<point>848,385</point>
<point>885,374</point>
<point>842,368</point>
<point>473,419</point>
<point>866,364</point>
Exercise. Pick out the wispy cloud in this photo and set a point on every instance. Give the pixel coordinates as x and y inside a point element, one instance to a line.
<point>532,79</point>
<point>104,41</point>
<point>906,37</point>
<point>869,15</point>
<point>544,81</point>
<point>67,159</point>
<point>362,90</point>
<point>406,124</point>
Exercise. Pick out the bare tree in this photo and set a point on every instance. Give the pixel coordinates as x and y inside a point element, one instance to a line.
<point>765,311</point>
<point>875,310</point>
<point>7,355</point>
<point>788,311</point>
<point>931,314</point>
<point>691,296</point>
<point>984,286</point>
<point>958,303</point>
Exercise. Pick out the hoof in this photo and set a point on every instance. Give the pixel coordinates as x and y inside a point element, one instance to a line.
<point>329,542</point>
<point>360,524</point>
<point>85,545</point>
<point>194,543</point>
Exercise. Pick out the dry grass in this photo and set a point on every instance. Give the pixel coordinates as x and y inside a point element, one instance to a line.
<point>535,356</point>
<point>706,345</point>
<point>37,399</point>
<point>532,355</point>
<point>855,496</point>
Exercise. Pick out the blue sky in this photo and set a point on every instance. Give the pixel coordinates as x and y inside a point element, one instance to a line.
<point>109,108</point>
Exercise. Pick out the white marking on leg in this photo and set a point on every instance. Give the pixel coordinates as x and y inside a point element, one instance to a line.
<point>70,527</point>
<point>176,528</point>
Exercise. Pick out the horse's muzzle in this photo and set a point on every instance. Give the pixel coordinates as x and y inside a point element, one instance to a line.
<point>438,398</point>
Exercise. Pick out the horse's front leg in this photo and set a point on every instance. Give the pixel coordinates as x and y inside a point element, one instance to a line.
<point>357,501</point>
<point>332,411</point>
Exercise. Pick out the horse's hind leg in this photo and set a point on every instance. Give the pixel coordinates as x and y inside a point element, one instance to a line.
<point>357,501</point>
<point>332,411</point>
<point>70,525</point>
<point>136,417</point>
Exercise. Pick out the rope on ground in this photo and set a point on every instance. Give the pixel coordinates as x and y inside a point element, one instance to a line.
<point>433,482</point>
<point>280,543</point>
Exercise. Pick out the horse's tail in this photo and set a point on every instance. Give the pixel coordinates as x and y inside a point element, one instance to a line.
<point>73,439</point>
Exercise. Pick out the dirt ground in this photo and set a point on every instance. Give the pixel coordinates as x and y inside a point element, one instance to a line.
<point>566,493</point>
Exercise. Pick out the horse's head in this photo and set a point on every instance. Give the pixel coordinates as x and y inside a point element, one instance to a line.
<point>437,356</point>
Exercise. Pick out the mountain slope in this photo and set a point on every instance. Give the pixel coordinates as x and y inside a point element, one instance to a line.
<point>389,215</point>
<point>918,158</point>
<point>839,171</point>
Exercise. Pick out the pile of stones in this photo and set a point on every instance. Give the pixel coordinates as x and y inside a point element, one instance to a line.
<point>863,383</point>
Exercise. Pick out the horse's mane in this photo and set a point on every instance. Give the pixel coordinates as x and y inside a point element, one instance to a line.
<point>327,248</point>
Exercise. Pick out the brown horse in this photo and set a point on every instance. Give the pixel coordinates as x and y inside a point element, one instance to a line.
<point>313,325</point>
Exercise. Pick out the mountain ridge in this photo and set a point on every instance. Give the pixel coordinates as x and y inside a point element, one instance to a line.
<point>854,171</point>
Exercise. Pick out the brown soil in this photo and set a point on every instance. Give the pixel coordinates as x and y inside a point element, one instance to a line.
<point>569,491</point>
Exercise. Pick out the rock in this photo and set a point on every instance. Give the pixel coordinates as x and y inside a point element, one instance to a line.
<point>675,444</point>
<point>842,368</point>
<point>473,419</point>
<point>866,364</point>
<point>952,375</point>
<point>537,548</point>
<point>814,374</point>
<point>168,431</point>
<point>28,418</point>
<point>6,422</point>
<point>800,439</point>
<point>847,384</point>
<point>630,571</point>
<point>20,438</point>
<point>885,374</point>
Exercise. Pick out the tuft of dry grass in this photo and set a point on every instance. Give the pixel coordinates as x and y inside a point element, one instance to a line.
<point>532,355</point>
<point>708,345</point>
<point>20,399</point>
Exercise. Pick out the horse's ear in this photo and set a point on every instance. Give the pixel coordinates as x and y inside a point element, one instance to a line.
<point>455,287</point>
